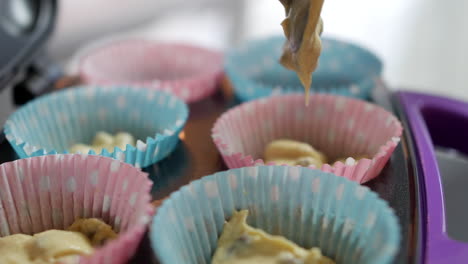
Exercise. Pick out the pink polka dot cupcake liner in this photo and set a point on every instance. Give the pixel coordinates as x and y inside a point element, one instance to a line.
<point>191,73</point>
<point>50,192</point>
<point>339,127</point>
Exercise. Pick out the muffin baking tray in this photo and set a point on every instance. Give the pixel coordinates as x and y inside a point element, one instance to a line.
<point>196,156</point>
<point>438,126</point>
<point>422,183</point>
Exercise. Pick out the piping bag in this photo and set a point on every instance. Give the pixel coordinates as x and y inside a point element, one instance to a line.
<point>302,28</point>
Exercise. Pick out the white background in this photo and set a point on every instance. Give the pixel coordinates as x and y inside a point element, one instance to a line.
<point>423,43</point>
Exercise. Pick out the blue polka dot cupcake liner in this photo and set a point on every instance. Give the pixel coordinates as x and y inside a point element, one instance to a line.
<point>53,123</point>
<point>344,69</point>
<point>348,222</point>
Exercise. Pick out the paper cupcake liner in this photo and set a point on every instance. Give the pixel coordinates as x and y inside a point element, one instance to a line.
<point>312,208</point>
<point>344,69</point>
<point>338,126</point>
<point>52,124</point>
<point>192,73</point>
<point>50,192</point>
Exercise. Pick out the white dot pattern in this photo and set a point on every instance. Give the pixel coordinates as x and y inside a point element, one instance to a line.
<point>20,173</point>
<point>320,112</point>
<point>161,100</point>
<point>63,118</point>
<point>102,114</point>
<point>280,109</point>
<point>120,156</point>
<point>300,115</point>
<point>331,136</point>
<point>351,56</point>
<point>192,190</point>
<point>9,137</point>
<point>371,218</point>
<point>71,97</point>
<point>294,173</point>
<point>339,192</point>
<point>4,227</point>
<point>249,108</point>
<point>121,102</point>
<point>71,184</point>
<point>144,219</point>
<point>125,185</point>
<point>24,208</point>
<point>389,249</point>
<point>29,149</point>
<point>189,224</point>
<point>354,89</point>
<point>93,178</point>
<point>185,93</point>
<point>156,151</point>
<point>350,161</point>
<point>141,146</point>
<point>44,183</point>
<point>233,181</point>
<point>106,203</point>
<point>334,65</point>
<point>360,192</point>
<point>277,91</point>
<point>252,171</point>
<point>389,121</point>
<point>89,93</point>
<point>275,193</point>
<point>57,215</point>
<point>83,119</point>
<point>325,223</point>
<point>172,102</point>
<point>151,94</point>
<point>34,122</point>
<point>360,137</point>
<point>115,166</point>
<point>117,221</point>
<point>135,115</point>
<point>168,132</point>
<point>340,104</point>
<point>211,189</point>
<point>348,226</point>
<point>378,240</point>
<point>267,125</point>
<point>268,61</point>
<point>179,122</point>
<point>133,198</point>
<point>44,111</point>
<point>316,185</point>
<point>368,107</point>
<point>171,215</point>
<point>250,90</point>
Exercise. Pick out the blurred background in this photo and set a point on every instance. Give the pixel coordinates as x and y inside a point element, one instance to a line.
<point>422,42</point>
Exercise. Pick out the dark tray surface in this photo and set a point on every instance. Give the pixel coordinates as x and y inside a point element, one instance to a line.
<point>196,156</point>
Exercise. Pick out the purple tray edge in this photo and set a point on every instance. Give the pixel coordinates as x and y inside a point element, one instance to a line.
<point>439,248</point>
